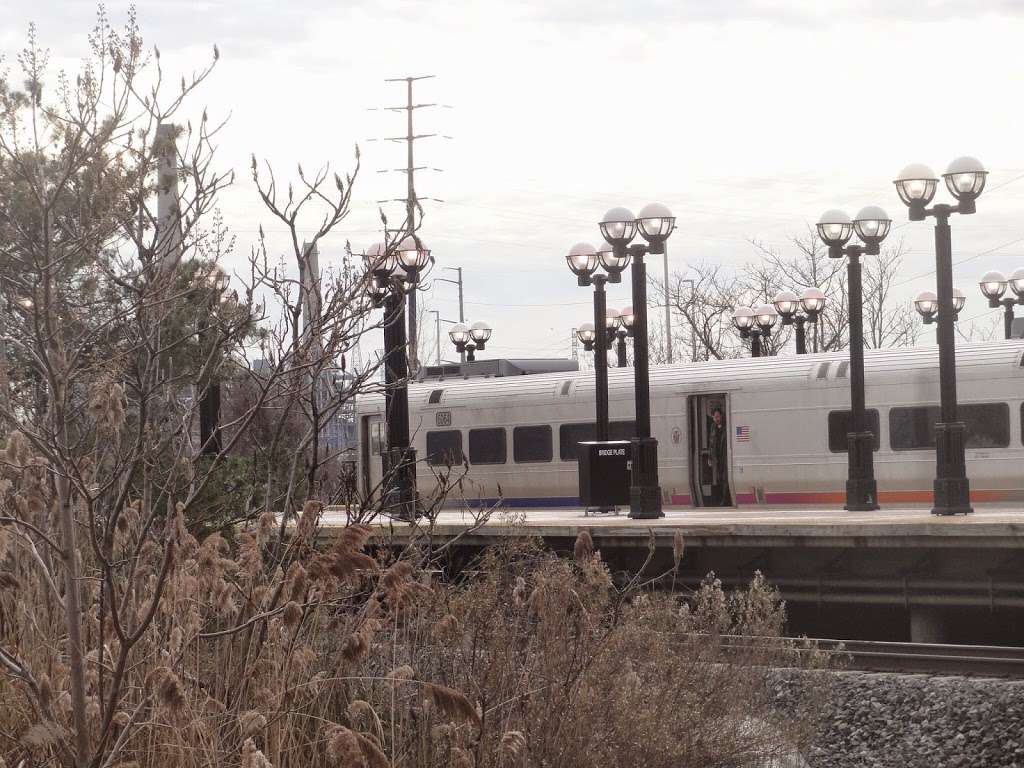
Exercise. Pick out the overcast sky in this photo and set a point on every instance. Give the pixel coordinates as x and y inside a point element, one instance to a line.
<point>748,118</point>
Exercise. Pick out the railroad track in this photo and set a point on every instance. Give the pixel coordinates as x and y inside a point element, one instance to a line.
<point>927,658</point>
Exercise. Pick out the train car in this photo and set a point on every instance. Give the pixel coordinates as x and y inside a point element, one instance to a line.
<point>787,419</point>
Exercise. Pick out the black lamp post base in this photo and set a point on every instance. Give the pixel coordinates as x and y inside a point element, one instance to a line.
<point>644,491</point>
<point>861,496</point>
<point>400,497</point>
<point>952,497</point>
<point>952,488</point>
<point>861,487</point>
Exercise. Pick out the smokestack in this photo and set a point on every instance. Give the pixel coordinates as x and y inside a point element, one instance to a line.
<point>168,204</point>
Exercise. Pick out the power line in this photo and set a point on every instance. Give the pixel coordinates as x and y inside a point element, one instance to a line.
<point>962,261</point>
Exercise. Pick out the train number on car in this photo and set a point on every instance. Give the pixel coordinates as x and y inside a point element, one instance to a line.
<point>444,418</point>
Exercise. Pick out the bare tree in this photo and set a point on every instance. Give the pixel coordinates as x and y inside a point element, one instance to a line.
<point>704,302</point>
<point>810,267</point>
<point>887,323</point>
<point>116,333</point>
<point>704,298</point>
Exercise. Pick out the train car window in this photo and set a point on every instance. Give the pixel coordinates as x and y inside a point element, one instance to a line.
<point>839,426</point>
<point>487,446</point>
<point>377,441</point>
<point>913,429</point>
<point>988,424</point>
<point>1022,421</point>
<point>531,444</point>
<point>622,430</point>
<point>444,447</point>
<point>571,434</point>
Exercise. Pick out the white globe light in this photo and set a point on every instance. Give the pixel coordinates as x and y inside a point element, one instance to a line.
<point>626,316</point>
<point>786,304</point>
<point>834,227</point>
<point>959,299</point>
<point>813,301</point>
<point>872,224</point>
<point>1017,283</point>
<point>586,333</point>
<point>582,259</point>
<point>611,319</point>
<point>459,333</point>
<point>927,304</point>
<point>965,178</point>
<point>618,226</point>
<point>743,318</point>
<point>377,259</point>
<point>993,285</point>
<point>916,184</point>
<point>656,222</point>
<point>412,253</point>
<point>480,332</point>
<point>765,316</point>
<point>613,263</point>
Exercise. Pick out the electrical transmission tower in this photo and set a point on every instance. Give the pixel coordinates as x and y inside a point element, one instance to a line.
<point>413,210</point>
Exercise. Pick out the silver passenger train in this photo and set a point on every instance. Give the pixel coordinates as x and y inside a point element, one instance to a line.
<point>787,419</point>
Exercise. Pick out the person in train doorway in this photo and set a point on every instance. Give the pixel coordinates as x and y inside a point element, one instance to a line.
<point>718,457</point>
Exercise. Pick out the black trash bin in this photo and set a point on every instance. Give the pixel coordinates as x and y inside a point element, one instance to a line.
<point>604,473</point>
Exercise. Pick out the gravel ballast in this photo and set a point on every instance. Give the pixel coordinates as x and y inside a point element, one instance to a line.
<point>876,720</point>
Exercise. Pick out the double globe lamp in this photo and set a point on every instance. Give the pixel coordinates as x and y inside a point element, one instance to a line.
<point>755,324</point>
<point>391,273</point>
<point>470,338</point>
<point>994,285</point>
<point>916,185</point>
<point>619,228</point>
<point>835,229</point>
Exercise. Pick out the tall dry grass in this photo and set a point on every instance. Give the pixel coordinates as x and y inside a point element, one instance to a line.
<point>351,656</point>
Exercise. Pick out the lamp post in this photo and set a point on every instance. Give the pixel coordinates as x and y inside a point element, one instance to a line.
<point>391,272</point>
<point>468,339</point>
<point>217,281</point>
<point>755,324</point>
<point>413,256</point>
<point>835,229</point>
<point>994,285</point>
<point>927,305</point>
<point>462,314</point>
<point>789,306</point>
<point>583,260</point>
<point>916,186</point>
<point>622,332</point>
<point>654,223</point>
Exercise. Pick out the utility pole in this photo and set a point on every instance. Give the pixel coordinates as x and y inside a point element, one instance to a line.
<point>668,312</point>
<point>437,330</point>
<point>411,200</point>
<point>462,313</point>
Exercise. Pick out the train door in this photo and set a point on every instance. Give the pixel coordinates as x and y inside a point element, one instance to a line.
<point>371,446</point>
<point>364,456</point>
<point>710,451</point>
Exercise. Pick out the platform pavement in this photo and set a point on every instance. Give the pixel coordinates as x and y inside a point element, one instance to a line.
<point>987,527</point>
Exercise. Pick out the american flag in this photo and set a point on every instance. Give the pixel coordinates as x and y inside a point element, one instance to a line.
<point>742,433</point>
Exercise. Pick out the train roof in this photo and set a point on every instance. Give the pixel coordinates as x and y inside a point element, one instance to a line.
<point>977,360</point>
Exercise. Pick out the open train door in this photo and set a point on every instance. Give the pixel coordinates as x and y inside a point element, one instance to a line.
<point>371,446</point>
<point>710,450</point>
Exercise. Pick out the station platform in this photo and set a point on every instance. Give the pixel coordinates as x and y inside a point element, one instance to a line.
<point>894,574</point>
<point>988,526</point>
